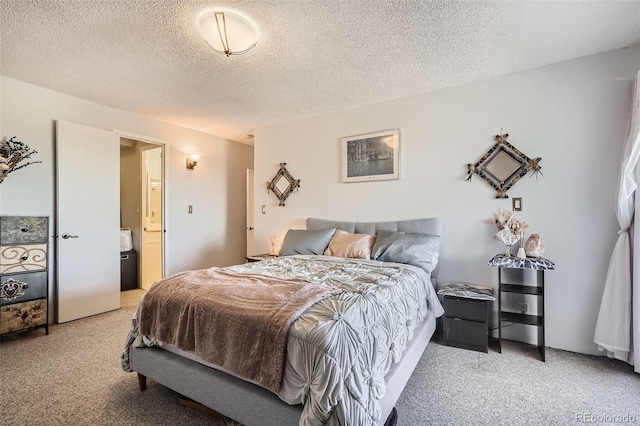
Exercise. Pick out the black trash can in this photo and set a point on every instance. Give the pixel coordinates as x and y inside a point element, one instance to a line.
<point>128,270</point>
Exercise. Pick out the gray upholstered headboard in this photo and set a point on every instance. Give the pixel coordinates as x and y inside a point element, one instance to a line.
<point>431,226</point>
<point>424,226</point>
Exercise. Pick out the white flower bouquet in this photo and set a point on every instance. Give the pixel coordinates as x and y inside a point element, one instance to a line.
<point>510,228</point>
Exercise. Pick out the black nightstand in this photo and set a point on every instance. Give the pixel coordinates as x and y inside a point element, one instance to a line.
<point>259,257</point>
<point>539,265</point>
<point>466,315</point>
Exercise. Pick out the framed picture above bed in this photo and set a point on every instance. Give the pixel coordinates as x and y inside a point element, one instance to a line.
<point>372,156</point>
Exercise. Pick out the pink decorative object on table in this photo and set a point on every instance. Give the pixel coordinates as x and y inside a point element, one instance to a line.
<point>534,246</point>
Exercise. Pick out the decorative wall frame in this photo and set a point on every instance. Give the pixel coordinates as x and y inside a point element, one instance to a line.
<point>372,156</point>
<point>503,165</point>
<point>283,184</point>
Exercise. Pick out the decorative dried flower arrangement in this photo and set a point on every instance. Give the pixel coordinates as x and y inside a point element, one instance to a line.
<point>510,228</point>
<point>12,153</point>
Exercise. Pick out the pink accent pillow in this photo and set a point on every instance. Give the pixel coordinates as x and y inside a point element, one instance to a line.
<point>344,244</point>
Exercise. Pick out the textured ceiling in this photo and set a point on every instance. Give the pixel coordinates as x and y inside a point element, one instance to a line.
<point>313,57</point>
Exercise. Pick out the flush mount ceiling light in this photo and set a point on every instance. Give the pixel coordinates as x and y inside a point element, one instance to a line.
<point>227,32</point>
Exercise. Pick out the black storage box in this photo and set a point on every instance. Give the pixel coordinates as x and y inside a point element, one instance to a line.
<point>128,270</point>
<point>466,323</point>
<point>466,315</point>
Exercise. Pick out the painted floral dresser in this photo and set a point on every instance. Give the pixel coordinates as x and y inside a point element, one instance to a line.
<point>24,289</point>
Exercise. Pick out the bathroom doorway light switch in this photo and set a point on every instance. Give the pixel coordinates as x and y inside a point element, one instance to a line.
<point>190,209</point>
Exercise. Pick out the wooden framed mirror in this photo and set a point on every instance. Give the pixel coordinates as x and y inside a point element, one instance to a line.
<point>503,165</point>
<point>283,184</point>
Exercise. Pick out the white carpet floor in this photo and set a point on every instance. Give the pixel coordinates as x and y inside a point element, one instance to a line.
<point>73,377</point>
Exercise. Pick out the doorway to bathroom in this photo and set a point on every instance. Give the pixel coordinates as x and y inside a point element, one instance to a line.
<point>142,212</point>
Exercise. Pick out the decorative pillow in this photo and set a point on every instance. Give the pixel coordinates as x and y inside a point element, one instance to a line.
<point>419,250</point>
<point>301,241</point>
<point>344,244</point>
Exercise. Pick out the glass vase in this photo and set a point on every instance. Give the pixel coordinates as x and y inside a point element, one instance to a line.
<point>508,250</point>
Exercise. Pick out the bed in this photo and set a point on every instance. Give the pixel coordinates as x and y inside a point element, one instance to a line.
<point>359,383</point>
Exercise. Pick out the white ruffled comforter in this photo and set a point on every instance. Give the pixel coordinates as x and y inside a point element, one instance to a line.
<point>340,350</point>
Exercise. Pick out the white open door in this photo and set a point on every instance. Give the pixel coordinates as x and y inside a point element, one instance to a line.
<point>250,222</point>
<point>88,221</point>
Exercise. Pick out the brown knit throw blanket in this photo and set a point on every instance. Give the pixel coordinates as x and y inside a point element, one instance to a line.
<point>239,322</point>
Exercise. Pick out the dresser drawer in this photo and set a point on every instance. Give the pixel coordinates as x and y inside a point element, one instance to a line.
<point>23,315</point>
<point>23,230</point>
<point>22,287</point>
<point>466,334</point>
<point>32,257</point>
<point>470,309</point>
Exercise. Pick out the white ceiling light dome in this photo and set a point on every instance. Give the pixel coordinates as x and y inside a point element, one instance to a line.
<point>227,32</point>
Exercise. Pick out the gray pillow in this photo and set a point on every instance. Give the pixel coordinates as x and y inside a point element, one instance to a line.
<point>419,250</point>
<point>301,241</point>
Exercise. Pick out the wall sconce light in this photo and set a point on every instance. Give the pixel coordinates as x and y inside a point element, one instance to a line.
<point>192,160</point>
<point>227,32</point>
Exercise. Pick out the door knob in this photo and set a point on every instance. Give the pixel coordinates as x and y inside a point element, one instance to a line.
<point>250,228</point>
<point>67,236</point>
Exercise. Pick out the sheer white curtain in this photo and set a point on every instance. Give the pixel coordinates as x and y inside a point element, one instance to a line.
<point>618,326</point>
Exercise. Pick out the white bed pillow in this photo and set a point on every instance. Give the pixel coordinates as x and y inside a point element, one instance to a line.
<point>355,246</point>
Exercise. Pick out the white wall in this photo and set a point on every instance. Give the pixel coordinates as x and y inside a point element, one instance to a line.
<point>214,235</point>
<point>571,114</point>
<point>131,191</point>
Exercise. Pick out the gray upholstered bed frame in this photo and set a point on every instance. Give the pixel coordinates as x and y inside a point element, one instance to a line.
<point>252,405</point>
